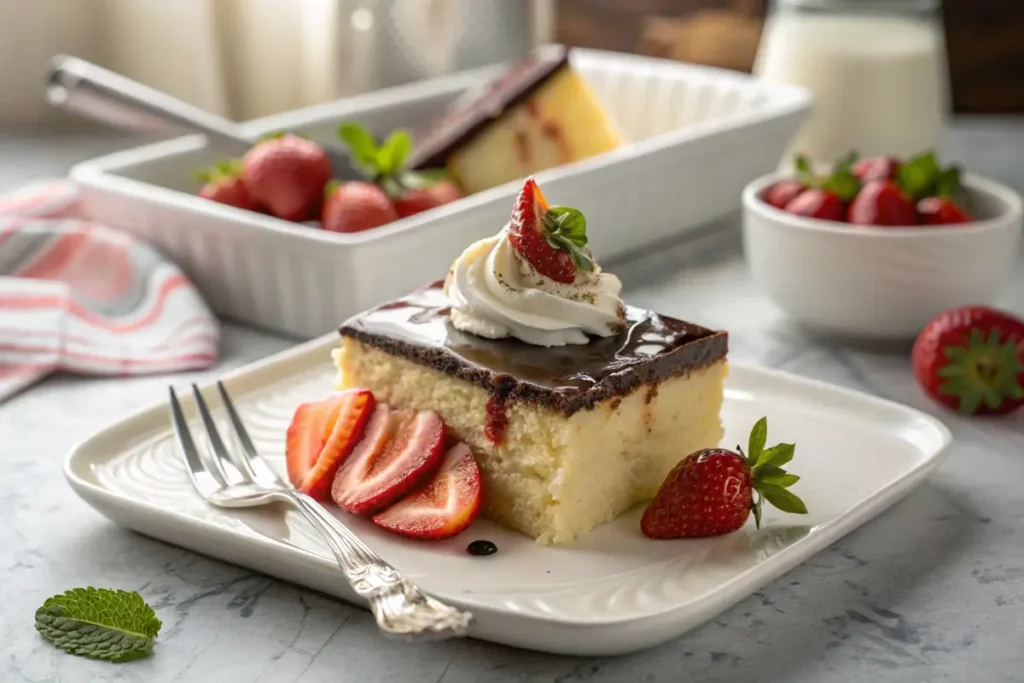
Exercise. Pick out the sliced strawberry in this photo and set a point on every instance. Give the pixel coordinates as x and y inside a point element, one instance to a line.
<point>399,451</point>
<point>322,434</point>
<point>444,506</point>
<point>553,240</point>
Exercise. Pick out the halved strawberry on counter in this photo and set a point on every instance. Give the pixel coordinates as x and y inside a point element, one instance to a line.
<point>287,174</point>
<point>552,239</point>
<point>321,436</point>
<point>399,451</point>
<point>971,359</point>
<point>445,506</point>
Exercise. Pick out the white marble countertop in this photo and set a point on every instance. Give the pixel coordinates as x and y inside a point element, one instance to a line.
<point>933,590</point>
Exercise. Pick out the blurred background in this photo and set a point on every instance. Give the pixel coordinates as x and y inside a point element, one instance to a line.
<point>249,58</point>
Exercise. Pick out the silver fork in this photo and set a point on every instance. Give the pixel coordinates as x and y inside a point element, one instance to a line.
<point>241,478</point>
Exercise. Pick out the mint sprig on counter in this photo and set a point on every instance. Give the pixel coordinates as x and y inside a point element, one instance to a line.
<point>384,163</point>
<point>99,623</point>
<point>566,228</point>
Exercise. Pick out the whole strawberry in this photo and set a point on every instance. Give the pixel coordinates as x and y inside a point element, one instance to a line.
<point>877,168</point>
<point>782,193</point>
<point>383,164</point>
<point>713,491</point>
<point>287,174</point>
<point>414,201</point>
<point>971,359</point>
<point>223,184</point>
<point>882,203</point>
<point>356,206</point>
<point>825,196</point>
<point>552,239</point>
<point>941,211</point>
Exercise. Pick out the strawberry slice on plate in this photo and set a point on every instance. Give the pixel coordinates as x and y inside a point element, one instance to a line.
<point>321,435</point>
<point>400,450</point>
<point>445,506</point>
<point>552,239</point>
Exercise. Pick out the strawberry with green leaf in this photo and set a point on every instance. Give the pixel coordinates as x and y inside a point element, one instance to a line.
<point>714,491</point>
<point>552,238</point>
<point>287,173</point>
<point>825,196</point>
<point>383,164</point>
<point>223,184</point>
<point>937,190</point>
<point>971,359</point>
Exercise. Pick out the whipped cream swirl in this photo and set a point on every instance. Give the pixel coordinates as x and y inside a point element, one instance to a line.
<point>496,293</point>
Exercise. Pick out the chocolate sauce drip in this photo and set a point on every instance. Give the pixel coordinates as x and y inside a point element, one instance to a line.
<point>569,378</point>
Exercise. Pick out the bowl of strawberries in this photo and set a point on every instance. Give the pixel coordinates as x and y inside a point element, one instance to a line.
<point>877,247</point>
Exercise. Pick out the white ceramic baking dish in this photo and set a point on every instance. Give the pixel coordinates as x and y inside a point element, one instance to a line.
<point>698,135</point>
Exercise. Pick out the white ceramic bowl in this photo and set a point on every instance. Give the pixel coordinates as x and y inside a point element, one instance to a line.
<point>883,283</point>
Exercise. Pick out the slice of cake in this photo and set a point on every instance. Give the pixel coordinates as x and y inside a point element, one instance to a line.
<point>538,115</point>
<point>576,405</point>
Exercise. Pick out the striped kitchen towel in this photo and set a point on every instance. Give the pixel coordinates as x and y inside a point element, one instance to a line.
<point>82,297</point>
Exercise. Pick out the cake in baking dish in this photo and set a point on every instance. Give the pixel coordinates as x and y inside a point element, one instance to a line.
<point>538,115</point>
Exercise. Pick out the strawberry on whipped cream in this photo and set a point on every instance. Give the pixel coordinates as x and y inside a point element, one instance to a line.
<point>498,291</point>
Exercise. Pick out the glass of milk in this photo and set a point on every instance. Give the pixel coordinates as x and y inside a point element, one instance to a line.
<point>877,70</point>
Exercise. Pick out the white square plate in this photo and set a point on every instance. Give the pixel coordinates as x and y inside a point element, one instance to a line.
<point>611,592</point>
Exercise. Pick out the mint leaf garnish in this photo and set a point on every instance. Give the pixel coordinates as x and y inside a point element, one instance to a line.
<point>842,182</point>
<point>99,623</point>
<point>947,183</point>
<point>566,228</point>
<point>918,176</point>
<point>393,152</point>
<point>361,144</point>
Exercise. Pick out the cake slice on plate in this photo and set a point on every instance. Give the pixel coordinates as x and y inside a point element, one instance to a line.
<point>575,405</point>
<point>538,115</point>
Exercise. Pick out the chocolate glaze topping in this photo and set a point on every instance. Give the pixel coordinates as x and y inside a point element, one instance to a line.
<point>568,379</point>
<point>469,117</point>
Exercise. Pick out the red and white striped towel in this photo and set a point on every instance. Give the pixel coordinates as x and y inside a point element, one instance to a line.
<point>82,297</point>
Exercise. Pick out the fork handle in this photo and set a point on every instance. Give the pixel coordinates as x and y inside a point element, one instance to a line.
<point>399,606</point>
